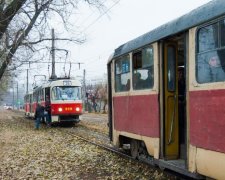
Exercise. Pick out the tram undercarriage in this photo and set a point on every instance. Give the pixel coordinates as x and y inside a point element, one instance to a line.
<point>66,118</point>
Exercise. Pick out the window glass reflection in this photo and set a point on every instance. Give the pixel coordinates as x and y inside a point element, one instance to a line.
<point>208,38</point>
<point>143,69</point>
<point>66,93</point>
<point>210,61</point>
<point>171,69</point>
<point>122,76</point>
<point>211,67</point>
<point>222,32</point>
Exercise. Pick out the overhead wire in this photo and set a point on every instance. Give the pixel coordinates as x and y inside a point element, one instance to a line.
<point>92,23</point>
<point>85,29</point>
<point>100,16</point>
<point>91,15</point>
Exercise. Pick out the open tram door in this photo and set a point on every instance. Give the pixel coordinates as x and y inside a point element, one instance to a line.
<point>170,101</point>
<point>173,98</point>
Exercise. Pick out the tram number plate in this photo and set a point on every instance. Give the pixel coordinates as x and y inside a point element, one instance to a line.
<point>67,83</point>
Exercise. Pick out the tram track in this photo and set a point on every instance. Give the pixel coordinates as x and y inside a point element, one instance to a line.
<point>125,155</point>
<point>106,147</point>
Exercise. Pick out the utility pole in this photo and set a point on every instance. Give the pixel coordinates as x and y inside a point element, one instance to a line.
<point>17,97</point>
<point>84,90</point>
<point>84,80</point>
<point>27,81</point>
<point>53,76</point>
<point>13,95</point>
<point>27,78</point>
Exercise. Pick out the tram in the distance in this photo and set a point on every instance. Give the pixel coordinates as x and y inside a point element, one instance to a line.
<point>167,94</point>
<point>61,99</point>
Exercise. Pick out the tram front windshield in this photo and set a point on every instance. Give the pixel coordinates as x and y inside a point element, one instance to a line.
<point>66,93</point>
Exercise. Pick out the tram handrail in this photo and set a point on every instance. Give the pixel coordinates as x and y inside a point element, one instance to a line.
<point>172,123</point>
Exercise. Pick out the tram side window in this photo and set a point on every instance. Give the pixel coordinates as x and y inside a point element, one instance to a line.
<point>122,74</point>
<point>42,95</point>
<point>39,96</point>
<point>210,61</point>
<point>143,69</point>
<point>47,95</point>
<point>30,99</point>
<point>208,38</point>
<point>35,97</point>
<point>222,32</point>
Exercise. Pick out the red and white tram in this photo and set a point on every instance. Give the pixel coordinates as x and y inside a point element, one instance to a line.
<point>62,97</point>
<point>167,94</point>
<point>28,99</point>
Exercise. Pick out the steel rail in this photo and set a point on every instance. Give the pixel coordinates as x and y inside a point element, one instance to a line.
<point>143,161</point>
<point>106,147</point>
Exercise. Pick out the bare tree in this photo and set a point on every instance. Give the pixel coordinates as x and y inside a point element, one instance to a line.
<point>4,84</point>
<point>97,95</point>
<point>103,95</point>
<point>7,11</point>
<point>24,24</point>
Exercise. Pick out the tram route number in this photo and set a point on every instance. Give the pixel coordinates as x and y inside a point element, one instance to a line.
<point>67,83</point>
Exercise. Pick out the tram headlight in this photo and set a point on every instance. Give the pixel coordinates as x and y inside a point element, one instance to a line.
<point>77,109</point>
<point>60,109</point>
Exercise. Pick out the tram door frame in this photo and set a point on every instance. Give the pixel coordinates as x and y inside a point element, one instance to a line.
<point>169,122</point>
<point>177,149</point>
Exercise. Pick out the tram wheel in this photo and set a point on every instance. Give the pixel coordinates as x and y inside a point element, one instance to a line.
<point>134,147</point>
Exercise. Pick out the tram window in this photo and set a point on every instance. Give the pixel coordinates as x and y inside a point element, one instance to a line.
<point>222,32</point>
<point>39,96</point>
<point>208,38</point>
<point>122,74</point>
<point>47,95</point>
<point>171,69</point>
<point>30,98</point>
<point>143,69</point>
<point>35,97</point>
<point>42,94</point>
<point>210,62</point>
<point>66,93</point>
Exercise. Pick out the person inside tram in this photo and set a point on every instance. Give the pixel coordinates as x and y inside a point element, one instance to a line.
<point>128,85</point>
<point>150,79</point>
<point>138,82</point>
<point>217,72</point>
<point>210,68</point>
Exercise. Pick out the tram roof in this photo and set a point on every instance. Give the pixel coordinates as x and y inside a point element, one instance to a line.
<point>204,13</point>
<point>58,82</point>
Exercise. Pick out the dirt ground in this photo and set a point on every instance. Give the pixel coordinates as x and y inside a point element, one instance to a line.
<point>50,153</point>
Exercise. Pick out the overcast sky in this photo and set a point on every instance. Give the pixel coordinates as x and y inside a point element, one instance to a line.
<point>124,21</point>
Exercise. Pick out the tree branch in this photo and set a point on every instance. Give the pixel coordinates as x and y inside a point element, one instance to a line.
<point>57,39</point>
<point>15,46</point>
<point>8,13</point>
